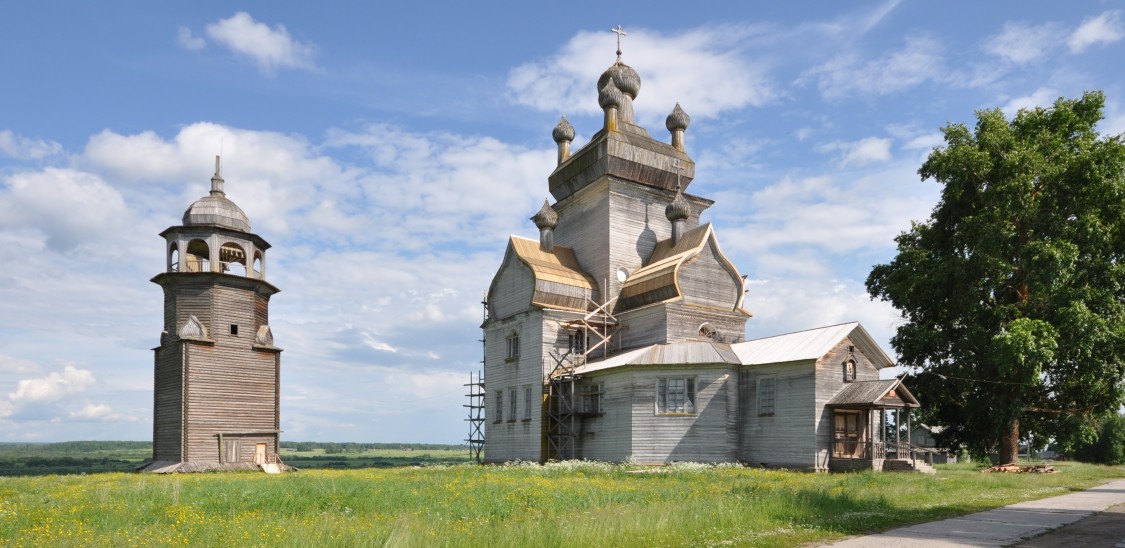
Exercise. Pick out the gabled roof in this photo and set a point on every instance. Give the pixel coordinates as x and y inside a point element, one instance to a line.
<point>874,394</point>
<point>677,353</point>
<point>810,345</point>
<point>657,281</point>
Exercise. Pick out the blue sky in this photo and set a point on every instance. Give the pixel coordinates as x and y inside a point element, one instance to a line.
<point>388,151</point>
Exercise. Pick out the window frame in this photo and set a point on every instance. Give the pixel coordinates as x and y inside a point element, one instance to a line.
<point>527,403</point>
<point>593,398</point>
<point>512,346</point>
<point>767,398</point>
<point>664,389</point>
<point>499,406</point>
<point>513,405</point>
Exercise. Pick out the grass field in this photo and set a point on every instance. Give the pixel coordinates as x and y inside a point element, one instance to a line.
<point>521,505</point>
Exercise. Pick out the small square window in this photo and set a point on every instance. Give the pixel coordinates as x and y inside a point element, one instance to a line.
<point>234,329</point>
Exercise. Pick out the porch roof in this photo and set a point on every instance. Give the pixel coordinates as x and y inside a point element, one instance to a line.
<point>882,393</point>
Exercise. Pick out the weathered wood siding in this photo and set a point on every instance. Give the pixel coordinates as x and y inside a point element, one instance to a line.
<point>788,437</point>
<point>645,325</point>
<point>608,437</point>
<point>708,435</point>
<point>704,280</point>
<point>583,226</point>
<point>829,382</point>
<point>684,320</point>
<point>167,423</point>
<point>230,389</point>
<point>513,438</point>
<point>512,289</point>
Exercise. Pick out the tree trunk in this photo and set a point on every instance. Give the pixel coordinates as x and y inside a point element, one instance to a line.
<point>1010,445</point>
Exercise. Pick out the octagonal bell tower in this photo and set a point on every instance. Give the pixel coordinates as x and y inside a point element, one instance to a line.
<point>217,371</point>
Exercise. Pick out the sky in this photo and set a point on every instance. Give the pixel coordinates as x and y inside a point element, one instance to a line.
<point>387,150</point>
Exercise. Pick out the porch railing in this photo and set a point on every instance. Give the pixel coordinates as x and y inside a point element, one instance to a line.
<point>849,449</point>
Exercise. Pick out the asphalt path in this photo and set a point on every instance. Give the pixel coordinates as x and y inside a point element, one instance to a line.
<point>1091,518</point>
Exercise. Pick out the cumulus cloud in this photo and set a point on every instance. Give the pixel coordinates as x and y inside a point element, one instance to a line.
<point>95,412</point>
<point>23,148</point>
<point>270,48</point>
<point>69,207</point>
<point>703,69</point>
<point>859,153</point>
<point>919,61</point>
<point>1041,97</point>
<point>1021,43</point>
<point>188,40</point>
<point>56,385</point>
<point>1103,29</point>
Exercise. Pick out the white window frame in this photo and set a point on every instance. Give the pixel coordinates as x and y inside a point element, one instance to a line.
<point>767,396</point>
<point>670,390</point>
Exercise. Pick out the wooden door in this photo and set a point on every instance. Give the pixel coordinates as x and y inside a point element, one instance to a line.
<point>260,453</point>
<point>847,435</point>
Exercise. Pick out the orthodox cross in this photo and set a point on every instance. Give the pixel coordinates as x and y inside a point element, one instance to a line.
<point>679,167</point>
<point>620,33</point>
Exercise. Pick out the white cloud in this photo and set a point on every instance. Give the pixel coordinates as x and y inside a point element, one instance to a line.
<point>1021,43</point>
<point>919,61</point>
<point>23,148</point>
<point>189,41</point>
<point>1103,29</point>
<point>69,207</point>
<point>862,152</point>
<point>1041,97</point>
<point>702,69</point>
<point>54,386</point>
<point>95,412</point>
<point>270,48</point>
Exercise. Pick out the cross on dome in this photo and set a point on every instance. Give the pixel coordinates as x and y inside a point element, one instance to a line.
<point>619,33</point>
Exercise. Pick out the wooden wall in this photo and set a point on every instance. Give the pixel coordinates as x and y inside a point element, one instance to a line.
<point>511,290</point>
<point>704,280</point>
<point>514,438</point>
<point>829,382</point>
<point>167,425</point>
<point>788,437</point>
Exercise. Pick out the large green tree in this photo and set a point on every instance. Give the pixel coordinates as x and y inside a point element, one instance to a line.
<point>1012,293</point>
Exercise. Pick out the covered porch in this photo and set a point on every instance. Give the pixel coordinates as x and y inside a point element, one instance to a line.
<point>868,419</point>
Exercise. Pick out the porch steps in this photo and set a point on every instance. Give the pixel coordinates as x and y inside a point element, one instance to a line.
<point>904,465</point>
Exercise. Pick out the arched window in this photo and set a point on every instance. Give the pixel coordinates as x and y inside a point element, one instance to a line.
<point>257,270</point>
<point>198,258</point>
<point>173,258</point>
<point>708,331</point>
<point>233,259</point>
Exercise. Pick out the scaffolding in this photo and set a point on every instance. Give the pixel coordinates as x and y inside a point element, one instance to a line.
<point>476,416</point>
<point>597,326</point>
<point>476,397</point>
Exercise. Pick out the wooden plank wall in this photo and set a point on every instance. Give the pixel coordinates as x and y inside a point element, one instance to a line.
<point>609,437</point>
<point>514,438</point>
<point>230,388</point>
<point>787,438</point>
<point>512,290</point>
<point>706,281</point>
<point>710,435</point>
<point>584,227</point>
<point>167,431</point>
<point>829,382</point>
<point>684,320</point>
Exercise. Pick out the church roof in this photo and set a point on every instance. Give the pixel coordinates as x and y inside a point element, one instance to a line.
<point>810,344</point>
<point>677,353</point>
<point>658,280</point>
<point>559,281</point>
<point>874,393</point>
<point>217,210</point>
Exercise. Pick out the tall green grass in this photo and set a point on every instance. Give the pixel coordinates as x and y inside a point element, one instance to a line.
<point>557,505</point>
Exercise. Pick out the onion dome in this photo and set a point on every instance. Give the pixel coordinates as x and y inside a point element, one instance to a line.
<point>610,96</point>
<point>547,217</point>
<point>563,132</point>
<point>679,209</point>
<point>623,77</point>
<point>216,209</point>
<point>678,120</point>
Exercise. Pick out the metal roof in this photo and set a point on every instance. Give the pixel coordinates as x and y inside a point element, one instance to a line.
<point>677,353</point>
<point>810,345</point>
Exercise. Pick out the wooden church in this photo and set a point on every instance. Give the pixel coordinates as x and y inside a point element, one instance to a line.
<point>216,371</point>
<point>618,335</point>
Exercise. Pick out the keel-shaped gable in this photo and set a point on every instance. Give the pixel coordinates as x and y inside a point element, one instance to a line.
<point>532,276</point>
<point>693,269</point>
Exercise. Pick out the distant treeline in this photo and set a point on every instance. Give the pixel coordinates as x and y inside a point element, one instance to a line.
<point>73,448</point>
<point>335,448</point>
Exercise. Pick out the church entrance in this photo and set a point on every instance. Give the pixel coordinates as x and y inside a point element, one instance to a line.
<point>847,434</point>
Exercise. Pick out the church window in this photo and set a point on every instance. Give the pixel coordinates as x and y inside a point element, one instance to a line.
<point>512,405</point>
<point>708,331</point>
<point>527,403</point>
<point>234,329</point>
<point>512,351</point>
<point>499,405</point>
<point>592,398</point>
<point>767,391</point>
<point>675,395</point>
<point>849,370</point>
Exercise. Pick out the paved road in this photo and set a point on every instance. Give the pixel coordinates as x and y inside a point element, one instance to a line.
<point>1091,518</point>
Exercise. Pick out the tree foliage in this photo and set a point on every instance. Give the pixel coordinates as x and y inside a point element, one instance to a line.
<point>1013,291</point>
